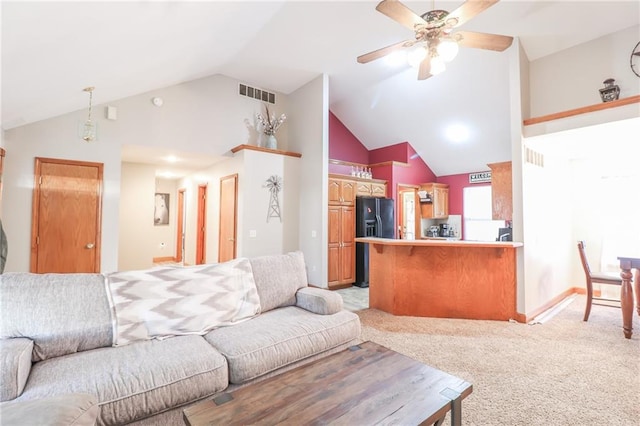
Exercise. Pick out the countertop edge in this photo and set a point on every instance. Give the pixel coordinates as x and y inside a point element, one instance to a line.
<point>440,243</point>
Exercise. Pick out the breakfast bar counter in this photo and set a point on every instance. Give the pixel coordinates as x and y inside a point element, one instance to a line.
<point>443,278</point>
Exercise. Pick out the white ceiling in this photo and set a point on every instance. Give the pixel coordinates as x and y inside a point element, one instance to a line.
<point>51,50</point>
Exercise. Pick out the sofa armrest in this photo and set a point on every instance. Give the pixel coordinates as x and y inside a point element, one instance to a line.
<point>318,300</point>
<point>74,409</point>
<point>15,366</point>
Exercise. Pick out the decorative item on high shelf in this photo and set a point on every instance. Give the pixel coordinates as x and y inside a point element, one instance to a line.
<point>270,124</point>
<point>274,184</point>
<point>610,91</point>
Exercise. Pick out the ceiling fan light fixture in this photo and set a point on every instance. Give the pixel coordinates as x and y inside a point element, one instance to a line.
<point>437,65</point>
<point>447,49</point>
<point>396,59</point>
<point>416,56</point>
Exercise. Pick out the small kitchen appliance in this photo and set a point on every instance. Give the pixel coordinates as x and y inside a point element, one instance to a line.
<point>444,230</point>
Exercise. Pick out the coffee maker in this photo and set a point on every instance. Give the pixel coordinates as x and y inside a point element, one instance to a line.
<point>444,230</point>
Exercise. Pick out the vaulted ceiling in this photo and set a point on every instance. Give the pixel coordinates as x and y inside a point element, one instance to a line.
<point>52,49</point>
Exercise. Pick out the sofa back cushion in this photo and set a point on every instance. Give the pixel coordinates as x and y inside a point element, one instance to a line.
<point>278,277</point>
<point>61,313</point>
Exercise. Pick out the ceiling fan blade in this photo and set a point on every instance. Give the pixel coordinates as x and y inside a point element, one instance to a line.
<point>425,69</point>
<point>469,9</point>
<point>484,41</point>
<point>376,54</point>
<point>400,13</point>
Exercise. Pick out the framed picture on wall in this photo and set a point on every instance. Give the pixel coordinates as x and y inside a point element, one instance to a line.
<point>161,210</point>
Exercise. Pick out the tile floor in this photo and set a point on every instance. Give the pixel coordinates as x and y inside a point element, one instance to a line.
<point>355,298</point>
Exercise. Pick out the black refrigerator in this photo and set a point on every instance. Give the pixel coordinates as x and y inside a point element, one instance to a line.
<point>374,218</point>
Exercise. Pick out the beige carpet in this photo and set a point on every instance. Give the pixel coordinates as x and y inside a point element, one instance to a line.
<point>562,372</point>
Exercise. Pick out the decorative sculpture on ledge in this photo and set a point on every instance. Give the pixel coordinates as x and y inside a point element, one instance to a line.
<point>610,92</point>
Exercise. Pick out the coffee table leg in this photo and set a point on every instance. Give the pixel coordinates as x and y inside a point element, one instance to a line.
<point>456,405</point>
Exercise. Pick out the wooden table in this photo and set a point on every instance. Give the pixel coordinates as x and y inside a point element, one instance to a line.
<point>366,384</point>
<point>626,293</point>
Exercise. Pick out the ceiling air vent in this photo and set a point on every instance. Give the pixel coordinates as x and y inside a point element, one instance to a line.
<point>533,157</point>
<point>259,94</point>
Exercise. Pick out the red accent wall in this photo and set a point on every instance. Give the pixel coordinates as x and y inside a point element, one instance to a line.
<point>397,152</point>
<point>457,183</point>
<point>343,145</point>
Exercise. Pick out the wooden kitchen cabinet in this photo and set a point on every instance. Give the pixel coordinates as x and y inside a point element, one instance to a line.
<point>378,189</point>
<point>342,247</point>
<point>369,188</point>
<point>342,191</point>
<point>501,191</point>
<point>438,208</point>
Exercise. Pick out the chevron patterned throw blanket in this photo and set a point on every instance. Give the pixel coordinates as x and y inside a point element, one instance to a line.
<point>169,301</point>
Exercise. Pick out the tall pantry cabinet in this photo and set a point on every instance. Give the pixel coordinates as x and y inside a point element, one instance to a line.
<point>342,221</point>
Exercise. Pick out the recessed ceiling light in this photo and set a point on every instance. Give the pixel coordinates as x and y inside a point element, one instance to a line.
<point>171,159</point>
<point>457,133</point>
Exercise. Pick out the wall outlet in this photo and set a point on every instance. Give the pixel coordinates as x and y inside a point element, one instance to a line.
<point>314,234</point>
<point>252,233</point>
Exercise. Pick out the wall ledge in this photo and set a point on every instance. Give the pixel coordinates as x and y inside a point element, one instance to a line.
<point>582,110</point>
<point>267,150</point>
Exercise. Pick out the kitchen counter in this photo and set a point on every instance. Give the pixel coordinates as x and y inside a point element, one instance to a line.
<point>443,278</point>
<point>438,241</point>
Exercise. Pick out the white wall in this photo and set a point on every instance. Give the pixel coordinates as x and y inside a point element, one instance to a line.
<point>253,169</point>
<point>136,231</point>
<point>571,78</point>
<point>518,79</point>
<point>203,116</point>
<point>273,236</point>
<point>309,135</point>
<point>55,138</point>
<point>548,233</point>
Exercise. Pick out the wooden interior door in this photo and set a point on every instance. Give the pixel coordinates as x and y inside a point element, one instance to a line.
<point>228,218</point>
<point>180,226</point>
<point>409,221</point>
<point>66,216</point>
<point>202,225</point>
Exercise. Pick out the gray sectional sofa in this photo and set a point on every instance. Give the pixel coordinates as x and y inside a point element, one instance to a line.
<point>56,341</point>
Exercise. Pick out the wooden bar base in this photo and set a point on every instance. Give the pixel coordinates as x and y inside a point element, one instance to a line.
<point>445,280</point>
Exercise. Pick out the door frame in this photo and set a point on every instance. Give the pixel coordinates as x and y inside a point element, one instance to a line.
<point>201,234</point>
<point>180,225</point>
<point>35,209</point>
<point>402,187</point>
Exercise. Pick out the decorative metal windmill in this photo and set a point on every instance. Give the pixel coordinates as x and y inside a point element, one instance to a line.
<point>274,184</point>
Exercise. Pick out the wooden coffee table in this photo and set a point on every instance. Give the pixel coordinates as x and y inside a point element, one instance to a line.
<point>366,384</point>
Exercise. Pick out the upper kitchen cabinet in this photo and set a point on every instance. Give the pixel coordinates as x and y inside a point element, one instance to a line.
<point>438,208</point>
<point>371,188</point>
<point>341,191</point>
<point>501,191</point>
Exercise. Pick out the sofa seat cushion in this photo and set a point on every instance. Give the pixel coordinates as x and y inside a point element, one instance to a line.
<point>134,381</point>
<point>280,337</point>
<point>76,409</point>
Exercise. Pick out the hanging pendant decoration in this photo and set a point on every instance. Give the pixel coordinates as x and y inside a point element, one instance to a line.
<point>274,184</point>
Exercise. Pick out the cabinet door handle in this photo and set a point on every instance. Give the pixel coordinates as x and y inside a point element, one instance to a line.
<point>90,245</point>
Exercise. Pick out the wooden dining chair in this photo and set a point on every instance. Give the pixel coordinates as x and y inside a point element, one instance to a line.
<point>596,278</point>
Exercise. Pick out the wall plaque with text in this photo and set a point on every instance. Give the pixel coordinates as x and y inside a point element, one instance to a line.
<point>480,177</point>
